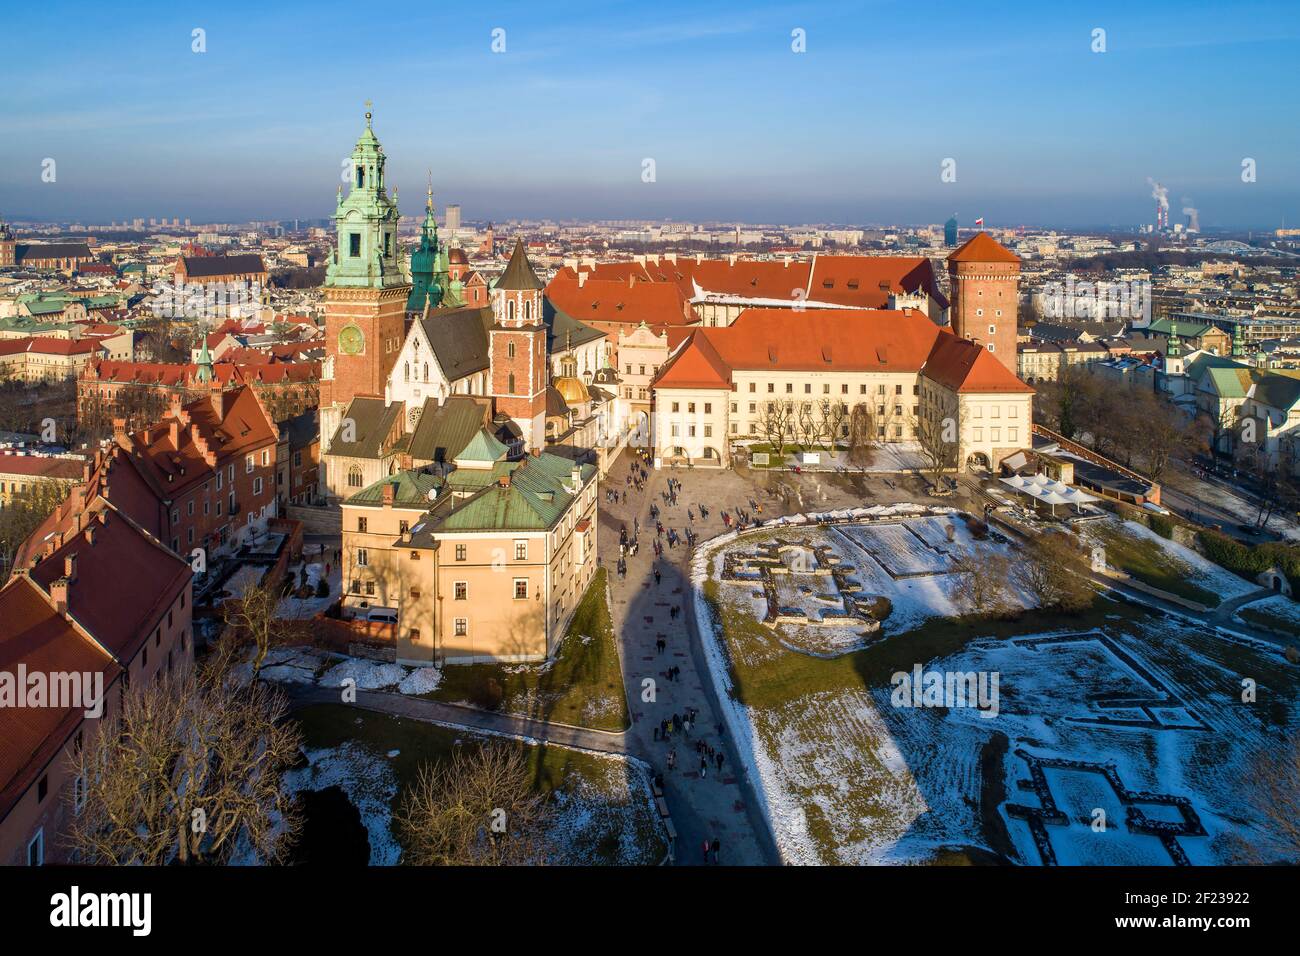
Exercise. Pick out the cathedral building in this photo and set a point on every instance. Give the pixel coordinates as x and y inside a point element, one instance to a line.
<point>440,394</point>
<point>404,336</point>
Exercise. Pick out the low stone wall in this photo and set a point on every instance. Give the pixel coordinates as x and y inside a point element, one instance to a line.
<point>317,520</point>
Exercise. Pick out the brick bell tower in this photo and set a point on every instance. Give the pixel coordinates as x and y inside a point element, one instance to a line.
<point>366,289</point>
<point>518,348</point>
<point>985,288</point>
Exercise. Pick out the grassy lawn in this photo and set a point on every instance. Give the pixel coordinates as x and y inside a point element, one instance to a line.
<point>821,703</point>
<point>791,448</point>
<point>1149,563</point>
<point>582,686</point>
<point>609,821</point>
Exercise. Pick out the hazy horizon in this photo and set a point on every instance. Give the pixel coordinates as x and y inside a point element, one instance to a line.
<point>1044,132</point>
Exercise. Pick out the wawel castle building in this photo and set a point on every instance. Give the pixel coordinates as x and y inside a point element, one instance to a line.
<point>912,376</point>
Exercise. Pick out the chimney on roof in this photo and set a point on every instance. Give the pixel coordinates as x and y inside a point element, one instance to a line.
<point>59,595</point>
<point>536,452</point>
<point>582,278</point>
<point>503,481</point>
<point>70,567</point>
<point>90,535</point>
<point>631,280</point>
<point>390,493</point>
<point>119,428</point>
<point>174,432</point>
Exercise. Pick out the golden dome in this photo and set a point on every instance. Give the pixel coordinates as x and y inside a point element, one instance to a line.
<point>572,390</point>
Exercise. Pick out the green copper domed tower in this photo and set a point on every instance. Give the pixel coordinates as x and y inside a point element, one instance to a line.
<point>365,254</point>
<point>428,271</point>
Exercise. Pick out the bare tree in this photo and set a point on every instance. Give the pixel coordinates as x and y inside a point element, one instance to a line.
<point>1054,571</point>
<point>188,772</point>
<point>479,808</point>
<point>777,424</point>
<point>252,619</point>
<point>833,415</point>
<point>807,425</point>
<point>937,435</point>
<point>982,583</point>
<point>862,436</point>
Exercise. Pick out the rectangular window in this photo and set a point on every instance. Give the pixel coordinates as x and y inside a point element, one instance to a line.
<point>521,550</point>
<point>521,589</point>
<point>460,552</point>
<point>363,557</point>
<point>461,591</point>
<point>361,525</point>
<point>462,627</point>
<point>354,239</point>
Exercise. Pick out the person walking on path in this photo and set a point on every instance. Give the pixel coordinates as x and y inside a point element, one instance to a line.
<point>717,849</point>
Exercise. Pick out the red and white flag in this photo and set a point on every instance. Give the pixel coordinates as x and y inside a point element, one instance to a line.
<point>979,221</point>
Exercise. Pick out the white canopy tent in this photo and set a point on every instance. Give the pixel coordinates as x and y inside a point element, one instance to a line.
<point>1048,491</point>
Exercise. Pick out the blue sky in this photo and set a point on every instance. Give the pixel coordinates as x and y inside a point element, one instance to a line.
<point>1043,130</point>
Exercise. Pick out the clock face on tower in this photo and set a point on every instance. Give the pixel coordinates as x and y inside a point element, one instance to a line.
<point>352,341</point>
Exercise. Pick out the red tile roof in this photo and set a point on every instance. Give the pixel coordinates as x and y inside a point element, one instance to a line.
<point>38,637</point>
<point>854,281</point>
<point>964,366</point>
<point>185,446</point>
<point>982,247</point>
<point>834,340</point>
<point>612,300</point>
<point>125,579</point>
<point>40,466</point>
<point>45,345</point>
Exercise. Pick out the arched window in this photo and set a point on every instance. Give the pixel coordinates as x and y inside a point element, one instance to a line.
<point>510,384</point>
<point>510,350</point>
<point>528,310</point>
<point>408,371</point>
<point>354,476</point>
<point>426,371</point>
<point>510,310</point>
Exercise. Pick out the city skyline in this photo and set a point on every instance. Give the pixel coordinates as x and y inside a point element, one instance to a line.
<point>1043,131</point>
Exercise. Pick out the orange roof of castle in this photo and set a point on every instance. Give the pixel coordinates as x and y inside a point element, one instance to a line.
<point>982,247</point>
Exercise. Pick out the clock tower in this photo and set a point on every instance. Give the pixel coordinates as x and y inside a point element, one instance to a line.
<point>365,289</point>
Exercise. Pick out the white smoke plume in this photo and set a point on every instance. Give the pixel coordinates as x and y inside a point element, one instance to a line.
<point>1159,193</point>
<point>1193,215</point>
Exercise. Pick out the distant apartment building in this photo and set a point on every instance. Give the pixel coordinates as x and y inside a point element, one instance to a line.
<point>20,472</point>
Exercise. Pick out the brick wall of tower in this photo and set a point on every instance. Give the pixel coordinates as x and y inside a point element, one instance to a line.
<point>980,290</point>
<point>381,316</point>
<point>528,365</point>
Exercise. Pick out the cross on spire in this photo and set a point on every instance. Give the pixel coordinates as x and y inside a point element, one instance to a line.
<point>368,114</point>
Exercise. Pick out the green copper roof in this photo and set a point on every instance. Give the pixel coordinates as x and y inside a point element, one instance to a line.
<point>410,488</point>
<point>366,253</point>
<point>534,500</point>
<point>482,447</point>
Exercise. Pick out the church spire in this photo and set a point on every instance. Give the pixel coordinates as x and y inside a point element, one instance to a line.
<point>366,252</point>
<point>205,372</point>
